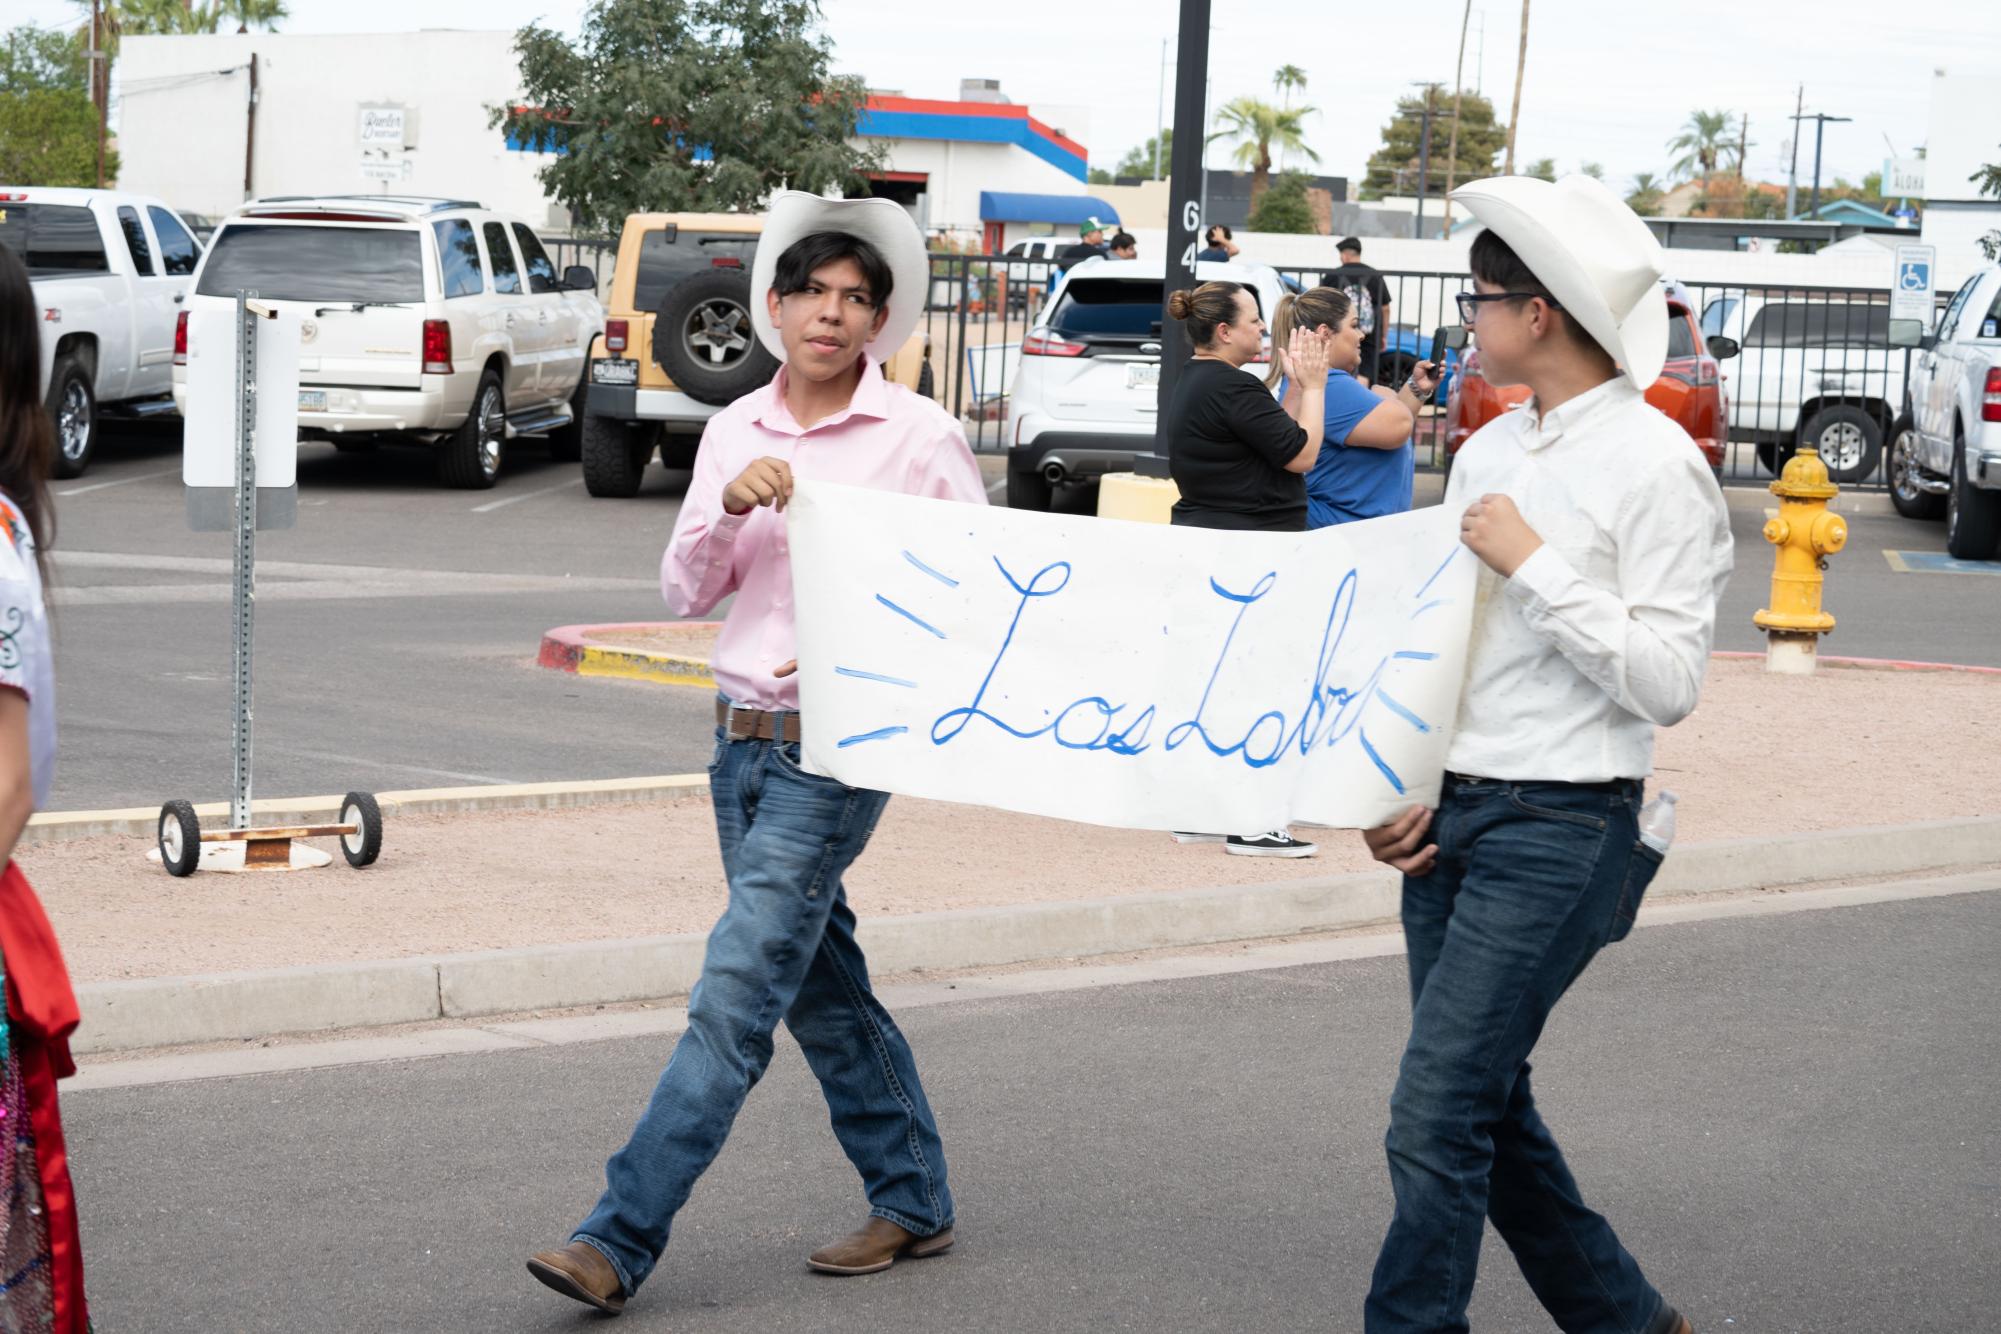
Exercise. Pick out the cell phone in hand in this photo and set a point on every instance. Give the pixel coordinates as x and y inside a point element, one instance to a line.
<point>1439,343</point>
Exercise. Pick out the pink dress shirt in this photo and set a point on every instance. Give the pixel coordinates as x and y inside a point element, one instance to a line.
<point>887,438</point>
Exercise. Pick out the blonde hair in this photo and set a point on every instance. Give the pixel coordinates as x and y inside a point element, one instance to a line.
<point>1308,310</point>
<point>1203,309</point>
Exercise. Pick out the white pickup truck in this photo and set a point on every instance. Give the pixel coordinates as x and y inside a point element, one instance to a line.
<point>110,271</point>
<point>1946,456</point>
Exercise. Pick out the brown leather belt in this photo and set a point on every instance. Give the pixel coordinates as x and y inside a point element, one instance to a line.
<point>741,724</point>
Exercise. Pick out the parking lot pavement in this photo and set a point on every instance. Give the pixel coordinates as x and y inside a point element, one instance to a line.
<point>398,624</point>
<point>1788,1118</point>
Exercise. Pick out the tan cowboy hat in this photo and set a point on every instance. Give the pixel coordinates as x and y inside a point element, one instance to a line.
<point>883,223</point>
<point>1592,252</point>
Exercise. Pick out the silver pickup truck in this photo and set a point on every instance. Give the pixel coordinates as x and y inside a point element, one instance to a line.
<point>1945,457</point>
<point>109,271</point>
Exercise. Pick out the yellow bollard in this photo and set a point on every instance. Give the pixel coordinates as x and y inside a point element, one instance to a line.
<point>1802,534</point>
<point>1126,495</point>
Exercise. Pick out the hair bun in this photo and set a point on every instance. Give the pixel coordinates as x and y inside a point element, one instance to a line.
<point>1180,305</point>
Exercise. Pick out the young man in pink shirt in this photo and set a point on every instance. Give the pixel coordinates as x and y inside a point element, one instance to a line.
<point>842,284</point>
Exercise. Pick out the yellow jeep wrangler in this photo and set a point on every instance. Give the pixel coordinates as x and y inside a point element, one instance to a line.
<point>678,346</point>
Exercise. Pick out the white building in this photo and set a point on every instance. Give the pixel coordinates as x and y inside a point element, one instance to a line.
<point>410,113</point>
<point>1960,140</point>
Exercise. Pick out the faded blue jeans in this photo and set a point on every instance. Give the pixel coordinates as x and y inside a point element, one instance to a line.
<point>1532,879</point>
<point>784,948</point>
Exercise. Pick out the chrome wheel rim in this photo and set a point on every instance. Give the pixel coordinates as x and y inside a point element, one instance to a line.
<point>1904,468</point>
<point>492,426</point>
<point>73,421</point>
<point>717,332</point>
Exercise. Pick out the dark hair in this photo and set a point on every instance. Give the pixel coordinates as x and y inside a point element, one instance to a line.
<point>1494,261</point>
<point>1353,243</point>
<point>1122,240</point>
<point>27,436</point>
<point>795,267</point>
<point>1222,227</point>
<point>1309,310</point>
<point>1203,309</point>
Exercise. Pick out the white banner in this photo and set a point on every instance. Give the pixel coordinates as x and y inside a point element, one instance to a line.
<point>1125,673</point>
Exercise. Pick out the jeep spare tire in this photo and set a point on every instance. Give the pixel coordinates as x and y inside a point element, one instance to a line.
<point>703,339</point>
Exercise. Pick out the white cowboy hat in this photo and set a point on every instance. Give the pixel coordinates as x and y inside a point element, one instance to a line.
<point>1592,252</point>
<point>883,223</point>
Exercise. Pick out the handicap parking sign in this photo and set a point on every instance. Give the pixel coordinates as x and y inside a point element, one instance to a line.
<point>1911,298</point>
<point>1914,275</point>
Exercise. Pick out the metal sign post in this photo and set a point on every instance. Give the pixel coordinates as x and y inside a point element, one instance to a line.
<point>1185,192</point>
<point>223,375</point>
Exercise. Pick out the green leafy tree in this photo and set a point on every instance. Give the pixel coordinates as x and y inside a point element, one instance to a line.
<point>1543,168</point>
<point>1706,138</point>
<point>1288,80</point>
<point>1099,176</point>
<point>48,124</point>
<point>1259,127</point>
<point>1139,161</point>
<point>1393,168</point>
<point>1595,170</point>
<point>1284,207</point>
<point>1988,179</point>
<point>138,18</point>
<point>1645,198</point>
<point>688,105</point>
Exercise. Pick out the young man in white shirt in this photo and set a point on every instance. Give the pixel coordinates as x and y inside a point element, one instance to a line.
<point>1607,545</point>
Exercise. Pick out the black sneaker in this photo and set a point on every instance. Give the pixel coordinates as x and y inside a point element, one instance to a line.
<point>1184,836</point>
<point>1278,843</point>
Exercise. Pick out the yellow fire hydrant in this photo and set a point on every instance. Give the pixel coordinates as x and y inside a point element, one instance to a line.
<point>1802,534</point>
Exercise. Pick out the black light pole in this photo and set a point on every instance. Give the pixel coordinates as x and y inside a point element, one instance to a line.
<point>1820,120</point>
<point>1184,196</point>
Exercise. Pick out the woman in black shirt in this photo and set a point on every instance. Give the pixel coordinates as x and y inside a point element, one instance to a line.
<point>1240,458</point>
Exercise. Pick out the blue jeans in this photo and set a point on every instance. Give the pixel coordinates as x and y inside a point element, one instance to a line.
<point>784,948</point>
<point>1532,879</point>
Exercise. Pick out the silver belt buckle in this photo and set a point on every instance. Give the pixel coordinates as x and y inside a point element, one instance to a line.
<point>730,727</point>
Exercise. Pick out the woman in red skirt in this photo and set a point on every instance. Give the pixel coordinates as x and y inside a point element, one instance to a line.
<point>41,1257</point>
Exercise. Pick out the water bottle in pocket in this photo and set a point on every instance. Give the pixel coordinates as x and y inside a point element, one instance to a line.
<point>1656,836</point>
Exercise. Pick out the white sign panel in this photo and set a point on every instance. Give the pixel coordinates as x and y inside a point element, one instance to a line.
<point>1904,178</point>
<point>208,452</point>
<point>1911,288</point>
<point>382,127</point>
<point>1128,674</point>
<point>382,169</point>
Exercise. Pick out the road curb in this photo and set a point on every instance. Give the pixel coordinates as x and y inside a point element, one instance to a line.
<point>165,1011</point>
<point>576,648</point>
<point>142,821</point>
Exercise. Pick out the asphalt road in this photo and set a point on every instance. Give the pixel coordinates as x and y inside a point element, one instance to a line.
<point>398,623</point>
<point>1790,1119</point>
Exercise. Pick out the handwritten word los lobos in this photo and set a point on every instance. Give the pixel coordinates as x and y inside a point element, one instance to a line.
<point>1329,712</point>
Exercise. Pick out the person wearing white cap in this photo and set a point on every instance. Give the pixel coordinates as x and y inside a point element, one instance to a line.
<point>1606,545</point>
<point>839,285</point>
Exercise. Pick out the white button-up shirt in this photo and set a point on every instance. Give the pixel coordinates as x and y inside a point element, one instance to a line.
<point>1603,634</point>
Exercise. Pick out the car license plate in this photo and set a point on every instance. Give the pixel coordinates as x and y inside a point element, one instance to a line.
<point>615,372</point>
<point>312,400</point>
<point>1143,375</point>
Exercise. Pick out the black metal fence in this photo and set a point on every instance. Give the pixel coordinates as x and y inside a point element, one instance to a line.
<point>1809,363</point>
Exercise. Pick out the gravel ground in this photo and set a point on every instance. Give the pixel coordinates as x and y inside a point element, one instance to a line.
<point>1842,749</point>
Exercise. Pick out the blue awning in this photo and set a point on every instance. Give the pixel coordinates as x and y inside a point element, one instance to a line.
<point>1070,210</point>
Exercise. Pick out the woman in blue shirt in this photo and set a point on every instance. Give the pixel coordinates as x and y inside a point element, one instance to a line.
<point>1365,466</point>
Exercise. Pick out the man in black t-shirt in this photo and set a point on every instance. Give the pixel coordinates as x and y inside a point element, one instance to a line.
<point>1091,244</point>
<point>1371,298</point>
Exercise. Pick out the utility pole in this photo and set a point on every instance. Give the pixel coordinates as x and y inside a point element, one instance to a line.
<point>1423,164</point>
<point>1793,170</point>
<point>1820,121</point>
<point>1186,196</point>
<point>100,88</point>
<point>1452,150</point>
<point>1515,111</point>
<point>250,133</point>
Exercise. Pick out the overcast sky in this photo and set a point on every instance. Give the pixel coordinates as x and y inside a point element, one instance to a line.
<point>1608,83</point>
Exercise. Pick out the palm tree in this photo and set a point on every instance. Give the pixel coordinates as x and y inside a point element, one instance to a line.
<point>1704,137</point>
<point>136,18</point>
<point>1645,198</point>
<point>1258,126</point>
<point>1287,79</point>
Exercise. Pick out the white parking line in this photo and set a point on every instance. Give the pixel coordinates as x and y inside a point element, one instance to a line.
<point>493,505</point>
<point>123,481</point>
<point>997,486</point>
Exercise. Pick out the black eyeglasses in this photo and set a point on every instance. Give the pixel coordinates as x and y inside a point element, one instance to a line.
<point>1469,302</point>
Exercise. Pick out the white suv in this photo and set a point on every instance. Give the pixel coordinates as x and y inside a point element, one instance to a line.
<point>1084,400</point>
<point>1946,456</point>
<point>431,320</point>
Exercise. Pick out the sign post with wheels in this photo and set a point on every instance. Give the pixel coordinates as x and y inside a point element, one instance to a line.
<point>243,404</point>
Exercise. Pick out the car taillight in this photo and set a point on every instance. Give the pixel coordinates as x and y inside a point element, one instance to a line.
<point>437,347</point>
<point>13,197</point>
<point>1706,373</point>
<point>615,332</point>
<point>1990,399</point>
<point>181,339</point>
<point>1043,343</point>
